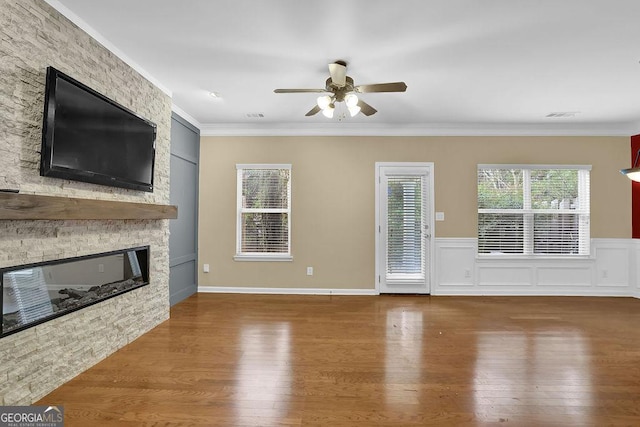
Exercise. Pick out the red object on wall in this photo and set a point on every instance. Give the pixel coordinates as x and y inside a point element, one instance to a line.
<point>635,191</point>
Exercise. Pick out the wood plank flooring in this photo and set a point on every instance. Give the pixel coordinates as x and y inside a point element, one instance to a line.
<point>273,360</point>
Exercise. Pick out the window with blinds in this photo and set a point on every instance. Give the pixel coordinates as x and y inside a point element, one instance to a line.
<point>533,210</point>
<point>264,212</point>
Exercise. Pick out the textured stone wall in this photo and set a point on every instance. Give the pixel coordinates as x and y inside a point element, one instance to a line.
<point>33,362</point>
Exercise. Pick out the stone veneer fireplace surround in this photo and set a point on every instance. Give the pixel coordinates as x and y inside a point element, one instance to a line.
<point>35,361</point>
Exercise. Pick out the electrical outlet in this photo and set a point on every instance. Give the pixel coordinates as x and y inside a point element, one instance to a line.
<point>467,274</point>
<point>605,274</point>
<point>100,268</point>
<point>309,271</point>
<point>205,268</point>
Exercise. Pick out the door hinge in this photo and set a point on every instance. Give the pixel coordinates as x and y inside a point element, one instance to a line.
<point>379,229</point>
<point>378,278</point>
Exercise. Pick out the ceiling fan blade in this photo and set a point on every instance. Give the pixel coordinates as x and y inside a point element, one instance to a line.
<point>299,90</point>
<point>382,87</point>
<point>366,109</point>
<point>315,110</point>
<point>338,73</point>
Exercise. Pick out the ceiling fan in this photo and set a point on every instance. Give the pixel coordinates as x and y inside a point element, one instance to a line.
<point>340,88</point>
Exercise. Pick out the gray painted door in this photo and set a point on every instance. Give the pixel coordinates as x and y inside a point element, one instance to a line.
<point>183,245</point>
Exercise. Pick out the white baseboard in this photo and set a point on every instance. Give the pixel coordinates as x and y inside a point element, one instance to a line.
<point>612,270</point>
<point>531,293</point>
<point>284,291</point>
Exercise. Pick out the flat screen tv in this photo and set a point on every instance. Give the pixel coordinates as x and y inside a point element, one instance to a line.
<point>88,137</point>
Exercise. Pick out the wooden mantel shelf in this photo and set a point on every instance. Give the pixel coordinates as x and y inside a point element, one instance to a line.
<point>30,206</point>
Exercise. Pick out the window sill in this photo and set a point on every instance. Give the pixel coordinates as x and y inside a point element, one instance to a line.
<point>504,257</point>
<point>266,257</point>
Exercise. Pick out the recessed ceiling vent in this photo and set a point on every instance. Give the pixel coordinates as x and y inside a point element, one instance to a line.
<point>563,114</point>
<point>255,115</point>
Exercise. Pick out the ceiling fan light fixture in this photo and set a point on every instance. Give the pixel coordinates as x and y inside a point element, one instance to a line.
<point>341,88</point>
<point>633,174</point>
<point>351,100</point>
<point>324,101</point>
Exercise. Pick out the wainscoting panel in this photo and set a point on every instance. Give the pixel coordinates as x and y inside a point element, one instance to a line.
<point>460,255</point>
<point>504,275</point>
<point>613,270</point>
<point>580,276</point>
<point>612,264</point>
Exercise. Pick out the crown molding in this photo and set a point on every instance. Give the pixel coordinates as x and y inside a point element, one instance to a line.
<point>186,116</point>
<point>66,12</point>
<point>430,129</point>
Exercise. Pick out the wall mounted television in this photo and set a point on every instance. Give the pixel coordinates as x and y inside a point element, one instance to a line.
<point>88,137</point>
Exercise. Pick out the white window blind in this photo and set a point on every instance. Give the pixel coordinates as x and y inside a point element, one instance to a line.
<point>264,210</point>
<point>533,210</point>
<point>405,245</point>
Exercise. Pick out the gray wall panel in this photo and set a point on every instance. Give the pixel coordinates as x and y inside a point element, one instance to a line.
<point>183,244</point>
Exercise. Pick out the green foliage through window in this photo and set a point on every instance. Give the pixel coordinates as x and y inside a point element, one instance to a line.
<point>533,211</point>
<point>264,210</point>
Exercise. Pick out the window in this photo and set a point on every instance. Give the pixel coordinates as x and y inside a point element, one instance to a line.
<point>533,210</point>
<point>405,225</point>
<point>263,213</point>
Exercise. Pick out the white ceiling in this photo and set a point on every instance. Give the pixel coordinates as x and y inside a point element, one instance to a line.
<point>471,66</point>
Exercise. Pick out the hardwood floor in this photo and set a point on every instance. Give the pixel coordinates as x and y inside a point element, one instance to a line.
<point>267,360</point>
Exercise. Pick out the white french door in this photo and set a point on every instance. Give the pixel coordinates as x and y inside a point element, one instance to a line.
<point>404,227</point>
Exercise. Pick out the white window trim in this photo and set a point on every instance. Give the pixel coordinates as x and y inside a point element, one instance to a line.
<point>263,257</point>
<point>527,210</point>
<point>260,256</point>
<point>531,166</point>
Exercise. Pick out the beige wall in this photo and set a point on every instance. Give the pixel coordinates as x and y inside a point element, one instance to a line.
<point>333,197</point>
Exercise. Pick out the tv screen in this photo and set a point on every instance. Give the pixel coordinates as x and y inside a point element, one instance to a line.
<point>88,137</point>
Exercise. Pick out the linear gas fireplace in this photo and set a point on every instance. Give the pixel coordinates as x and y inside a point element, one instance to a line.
<point>34,293</point>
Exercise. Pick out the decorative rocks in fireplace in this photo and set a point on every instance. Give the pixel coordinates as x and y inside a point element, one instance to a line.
<point>34,293</point>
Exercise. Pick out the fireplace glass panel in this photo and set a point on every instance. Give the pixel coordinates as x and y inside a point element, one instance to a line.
<point>38,292</point>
